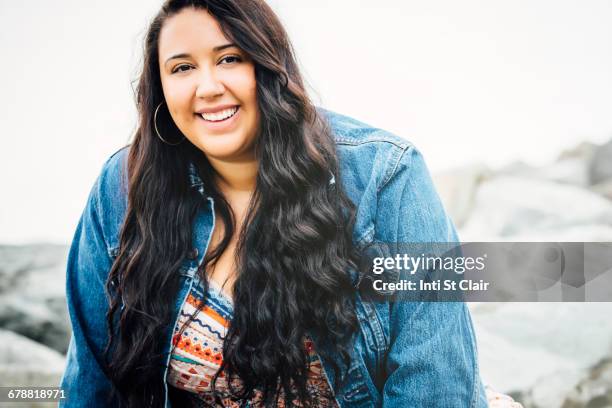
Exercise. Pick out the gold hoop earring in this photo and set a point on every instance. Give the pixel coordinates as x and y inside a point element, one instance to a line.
<point>157,130</point>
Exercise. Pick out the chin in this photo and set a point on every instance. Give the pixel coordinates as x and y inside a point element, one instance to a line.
<point>222,146</point>
<point>223,152</point>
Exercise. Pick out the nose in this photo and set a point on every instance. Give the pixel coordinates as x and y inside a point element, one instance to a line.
<point>209,85</point>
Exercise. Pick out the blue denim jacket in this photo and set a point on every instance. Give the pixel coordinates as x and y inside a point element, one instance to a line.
<point>406,354</point>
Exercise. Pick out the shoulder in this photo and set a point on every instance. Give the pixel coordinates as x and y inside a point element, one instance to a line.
<point>109,195</point>
<point>352,132</point>
<point>365,151</point>
<point>377,168</point>
<point>114,169</point>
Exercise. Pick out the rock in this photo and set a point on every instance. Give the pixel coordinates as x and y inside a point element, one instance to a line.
<point>595,232</point>
<point>534,352</point>
<point>457,188</point>
<point>571,167</point>
<point>24,362</point>
<point>569,170</point>
<point>604,188</point>
<point>32,293</point>
<point>600,169</point>
<point>595,391</point>
<point>583,151</point>
<point>511,206</point>
<point>509,367</point>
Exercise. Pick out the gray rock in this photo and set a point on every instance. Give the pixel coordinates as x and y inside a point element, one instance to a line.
<point>457,188</point>
<point>591,232</point>
<point>604,188</point>
<point>507,206</point>
<point>583,151</point>
<point>571,167</point>
<point>569,170</point>
<point>25,363</point>
<point>534,352</point>
<point>600,169</point>
<point>32,293</point>
<point>595,391</point>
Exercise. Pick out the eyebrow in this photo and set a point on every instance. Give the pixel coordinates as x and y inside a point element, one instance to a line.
<point>186,55</point>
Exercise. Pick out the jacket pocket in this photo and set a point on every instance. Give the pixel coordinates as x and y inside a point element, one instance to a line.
<point>356,393</point>
<point>371,326</point>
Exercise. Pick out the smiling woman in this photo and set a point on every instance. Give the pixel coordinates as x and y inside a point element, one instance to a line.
<point>215,263</point>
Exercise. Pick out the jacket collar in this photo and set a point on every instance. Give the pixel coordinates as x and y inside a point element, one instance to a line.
<point>195,181</point>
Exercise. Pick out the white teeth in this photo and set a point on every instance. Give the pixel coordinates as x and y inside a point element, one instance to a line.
<point>218,116</point>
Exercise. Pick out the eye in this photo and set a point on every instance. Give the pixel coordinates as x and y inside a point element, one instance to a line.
<point>181,68</point>
<point>229,59</point>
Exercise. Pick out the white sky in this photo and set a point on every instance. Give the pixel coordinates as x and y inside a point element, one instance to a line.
<point>475,80</point>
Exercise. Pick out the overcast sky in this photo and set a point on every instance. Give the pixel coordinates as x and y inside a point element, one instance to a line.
<point>472,80</point>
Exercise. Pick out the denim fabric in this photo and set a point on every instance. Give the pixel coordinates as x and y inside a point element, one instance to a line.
<point>406,354</point>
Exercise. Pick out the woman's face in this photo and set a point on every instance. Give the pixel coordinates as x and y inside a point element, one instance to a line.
<point>209,86</point>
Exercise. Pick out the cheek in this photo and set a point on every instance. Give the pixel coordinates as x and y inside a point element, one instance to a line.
<point>252,90</point>
<point>244,86</point>
<point>178,99</point>
<point>249,98</point>
<point>179,107</point>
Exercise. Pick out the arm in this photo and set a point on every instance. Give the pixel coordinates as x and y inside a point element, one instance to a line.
<point>88,265</point>
<point>432,357</point>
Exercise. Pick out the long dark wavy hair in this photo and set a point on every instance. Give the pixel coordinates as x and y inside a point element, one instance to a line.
<point>294,249</point>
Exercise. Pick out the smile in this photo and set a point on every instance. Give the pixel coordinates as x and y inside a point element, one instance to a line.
<point>220,116</point>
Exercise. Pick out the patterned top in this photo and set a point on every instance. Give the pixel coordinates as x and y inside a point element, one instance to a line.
<point>198,353</point>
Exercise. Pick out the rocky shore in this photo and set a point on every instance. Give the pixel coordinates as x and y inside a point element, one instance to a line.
<point>34,325</point>
<point>546,355</point>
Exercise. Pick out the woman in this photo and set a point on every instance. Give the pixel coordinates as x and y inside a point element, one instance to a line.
<point>215,261</point>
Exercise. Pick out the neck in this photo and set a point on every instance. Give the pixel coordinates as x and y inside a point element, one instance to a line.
<point>236,177</point>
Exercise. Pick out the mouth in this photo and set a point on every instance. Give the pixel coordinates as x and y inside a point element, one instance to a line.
<point>221,116</point>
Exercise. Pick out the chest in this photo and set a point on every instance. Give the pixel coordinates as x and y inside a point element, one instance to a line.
<point>197,354</point>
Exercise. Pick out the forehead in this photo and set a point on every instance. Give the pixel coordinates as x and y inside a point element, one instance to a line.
<point>190,30</point>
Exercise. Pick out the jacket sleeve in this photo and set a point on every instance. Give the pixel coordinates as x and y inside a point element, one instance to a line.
<point>432,357</point>
<point>84,378</point>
